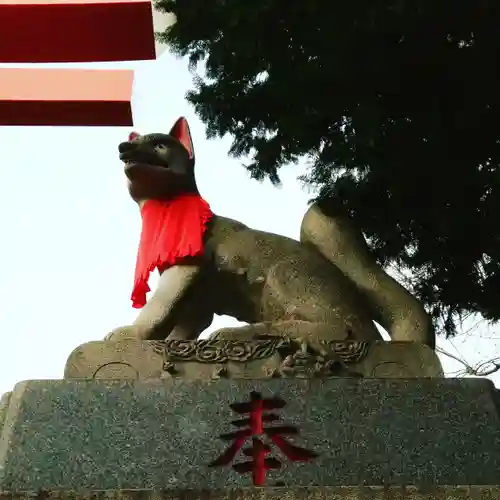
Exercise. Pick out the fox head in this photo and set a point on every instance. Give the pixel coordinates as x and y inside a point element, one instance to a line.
<point>159,166</point>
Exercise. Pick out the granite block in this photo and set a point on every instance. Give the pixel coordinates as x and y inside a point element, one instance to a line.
<point>462,492</point>
<point>87,435</point>
<point>206,359</point>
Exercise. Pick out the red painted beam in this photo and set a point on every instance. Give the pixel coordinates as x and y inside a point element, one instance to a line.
<point>65,97</point>
<point>51,31</point>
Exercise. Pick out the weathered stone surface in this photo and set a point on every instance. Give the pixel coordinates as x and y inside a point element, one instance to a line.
<point>163,434</point>
<point>465,492</point>
<point>4,404</point>
<point>276,356</point>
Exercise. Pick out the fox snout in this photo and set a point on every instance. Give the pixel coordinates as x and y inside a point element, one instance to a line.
<point>141,153</point>
<point>125,147</point>
<point>127,150</point>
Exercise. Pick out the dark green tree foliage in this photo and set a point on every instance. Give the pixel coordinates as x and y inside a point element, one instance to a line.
<point>395,102</point>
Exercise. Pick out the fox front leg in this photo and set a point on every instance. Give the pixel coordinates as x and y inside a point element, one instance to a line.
<point>158,317</point>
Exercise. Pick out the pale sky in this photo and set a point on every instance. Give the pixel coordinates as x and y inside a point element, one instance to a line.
<point>70,231</point>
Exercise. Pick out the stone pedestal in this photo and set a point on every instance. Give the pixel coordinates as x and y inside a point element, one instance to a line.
<point>352,438</point>
<point>264,419</point>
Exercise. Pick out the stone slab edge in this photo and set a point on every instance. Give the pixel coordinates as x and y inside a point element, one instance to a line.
<point>461,492</point>
<point>10,404</point>
<point>4,406</point>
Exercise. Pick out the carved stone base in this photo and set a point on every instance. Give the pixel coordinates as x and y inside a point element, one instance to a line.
<point>265,358</point>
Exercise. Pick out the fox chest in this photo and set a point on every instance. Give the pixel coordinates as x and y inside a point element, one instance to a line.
<point>237,282</point>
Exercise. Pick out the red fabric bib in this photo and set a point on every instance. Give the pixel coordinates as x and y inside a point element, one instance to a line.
<point>171,231</point>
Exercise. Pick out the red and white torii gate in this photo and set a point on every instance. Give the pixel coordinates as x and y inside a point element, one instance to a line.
<point>72,31</point>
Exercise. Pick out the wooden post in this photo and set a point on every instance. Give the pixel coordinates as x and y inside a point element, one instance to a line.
<point>51,31</point>
<point>63,31</point>
<point>65,97</point>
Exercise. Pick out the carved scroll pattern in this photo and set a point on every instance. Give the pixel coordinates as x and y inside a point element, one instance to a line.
<point>348,352</point>
<point>330,360</point>
<point>320,358</point>
<point>218,351</point>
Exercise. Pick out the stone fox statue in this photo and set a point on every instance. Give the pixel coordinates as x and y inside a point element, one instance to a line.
<point>326,284</point>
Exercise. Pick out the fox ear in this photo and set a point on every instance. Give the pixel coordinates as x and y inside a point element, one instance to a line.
<point>180,131</point>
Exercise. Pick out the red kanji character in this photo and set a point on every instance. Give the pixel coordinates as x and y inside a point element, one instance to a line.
<point>251,428</point>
